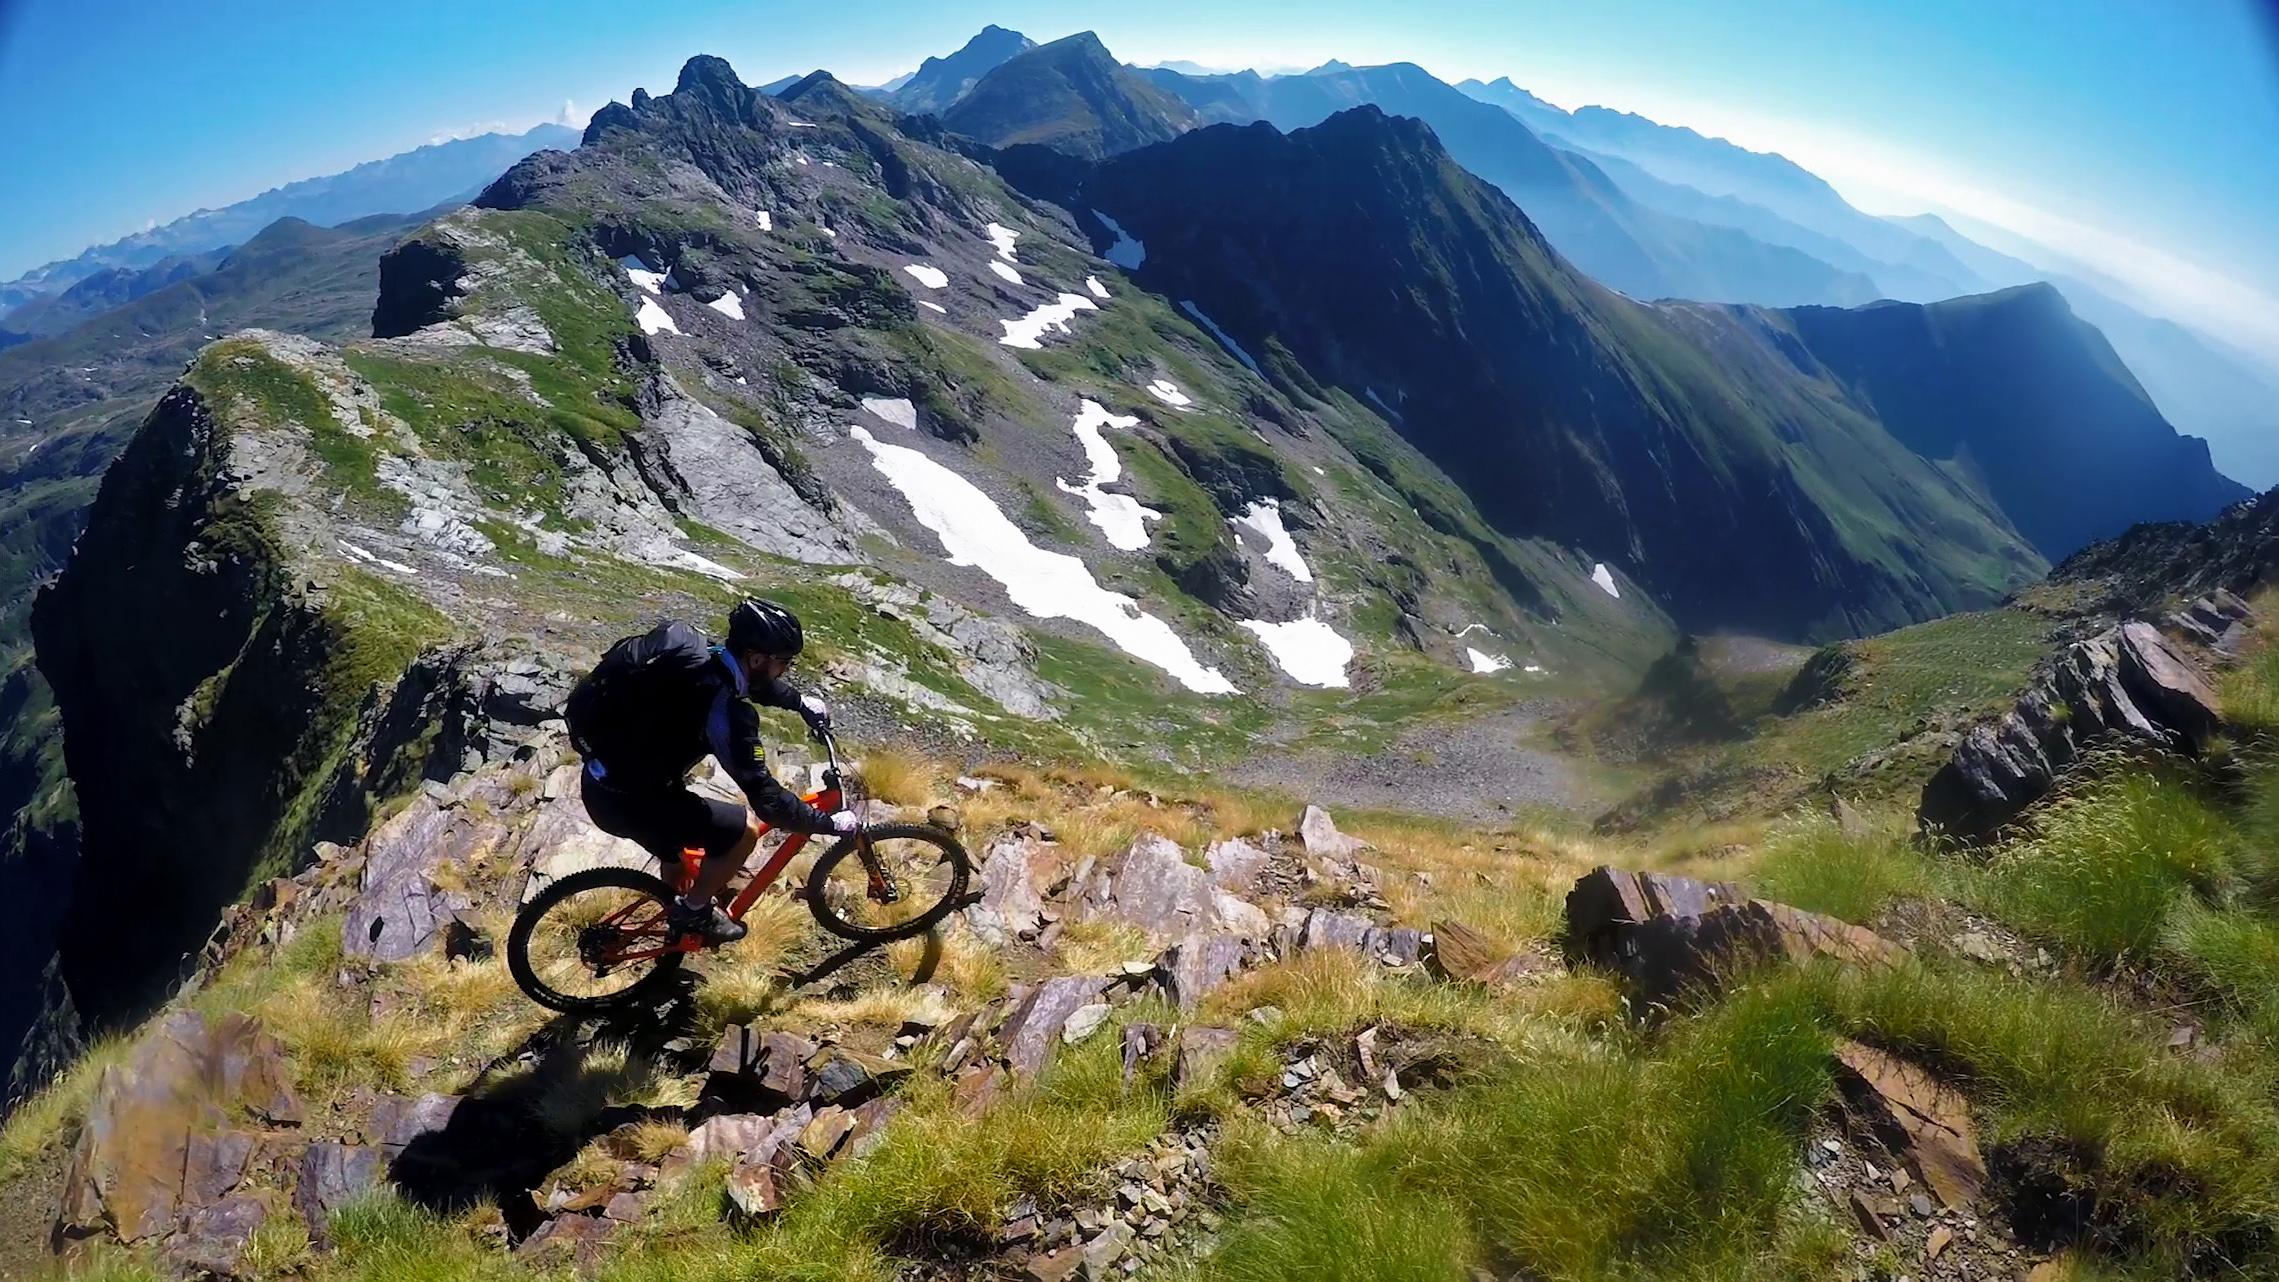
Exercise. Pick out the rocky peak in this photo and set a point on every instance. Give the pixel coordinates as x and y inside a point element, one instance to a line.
<point>710,79</point>
<point>1071,95</point>
<point>938,82</point>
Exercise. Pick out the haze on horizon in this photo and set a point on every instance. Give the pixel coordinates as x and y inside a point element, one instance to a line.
<point>2133,140</point>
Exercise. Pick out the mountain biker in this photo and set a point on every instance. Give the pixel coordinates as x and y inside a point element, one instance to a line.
<point>651,709</point>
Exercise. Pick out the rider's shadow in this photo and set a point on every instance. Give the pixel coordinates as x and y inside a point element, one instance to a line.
<point>539,1106</point>
<point>929,961</point>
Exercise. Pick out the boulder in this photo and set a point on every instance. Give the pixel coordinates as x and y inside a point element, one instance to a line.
<point>1200,964</point>
<point>752,1188</point>
<point>213,1238</point>
<point>1235,864</point>
<point>1034,1025</point>
<point>750,1066</point>
<point>1464,955</point>
<point>398,911</point>
<point>1084,1021</point>
<point>398,1121</point>
<point>2127,685</point>
<point>161,1138</point>
<point>1667,934</point>
<point>1327,929</point>
<point>2220,621</point>
<point>331,1175</point>
<point>1154,888</point>
<point>1015,870</point>
<point>1919,1119</point>
<point>848,1077</point>
<point>1322,839</point>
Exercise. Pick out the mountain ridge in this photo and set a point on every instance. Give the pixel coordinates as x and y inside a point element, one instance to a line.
<point>1072,95</point>
<point>405,183</point>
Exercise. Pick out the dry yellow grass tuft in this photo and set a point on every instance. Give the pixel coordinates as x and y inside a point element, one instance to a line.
<point>885,1006</point>
<point>953,957</point>
<point>899,777</point>
<point>1094,947</point>
<point>652,1141</point>
<point>744,980</point>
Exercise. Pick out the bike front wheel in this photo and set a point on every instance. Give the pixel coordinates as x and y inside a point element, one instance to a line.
<point>594,941</point>
<point>889,881</point>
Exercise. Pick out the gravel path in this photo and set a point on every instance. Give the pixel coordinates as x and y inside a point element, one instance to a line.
<point>1477,770</point>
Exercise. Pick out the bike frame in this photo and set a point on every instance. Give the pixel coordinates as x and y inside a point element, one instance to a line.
<point>830,799</point>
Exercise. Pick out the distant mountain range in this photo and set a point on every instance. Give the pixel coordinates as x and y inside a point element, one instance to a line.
<point>401,184</point>
<point>2198,385</point>
<point>1795,472</point>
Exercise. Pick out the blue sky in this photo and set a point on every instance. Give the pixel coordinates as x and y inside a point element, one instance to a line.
<point>2141,138</point>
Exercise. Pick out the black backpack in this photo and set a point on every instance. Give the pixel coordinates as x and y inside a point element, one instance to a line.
<point>612,713</point>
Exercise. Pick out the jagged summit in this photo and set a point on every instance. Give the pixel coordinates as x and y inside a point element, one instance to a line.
<point>1071,95</point>
<point>941,81</point>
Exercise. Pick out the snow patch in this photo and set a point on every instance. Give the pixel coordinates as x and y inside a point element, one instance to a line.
<point>1005,273</point>
<point>1226,340</point>
<point>1126,252</point>
<point>653,319</point>
<point>1470,628</point>
<point>1265,517</point>
<point>935,306</point>
<point>1163,389</point>
<point>1535,668</point>
<point>356,553</point>
<point>1046,585</point>
<point>1098,290</point>
<point>1003,237</point>
<point>1307,649</point>
<point>638,272</point>
<point>728,305</point>
<point>930,277</point>
<point>658,552</point>
<point>1483,662</point>
<point>898,411</point>
<point>1029,330</point>
<point>1605,580</point>
<point>801,124</point>
<point>767,223</point>
<point>1318,470</point>
<point>1119,516</point>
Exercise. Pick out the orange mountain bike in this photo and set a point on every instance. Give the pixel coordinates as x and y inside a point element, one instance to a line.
<point>597,939</point>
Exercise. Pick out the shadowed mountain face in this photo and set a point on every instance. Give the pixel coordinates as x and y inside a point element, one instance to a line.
<point>2016,393</point>
<point>1642,251</point>
<point>1709,449</point>
<point>938,82</point>
<point>1073,96</point>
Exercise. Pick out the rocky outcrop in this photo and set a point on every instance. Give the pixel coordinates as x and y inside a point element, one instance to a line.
<point>282,701</point>
<point>1667,935</point>
<point>172,1133</point>
<point>2127,686</point>
<point>717,472</point>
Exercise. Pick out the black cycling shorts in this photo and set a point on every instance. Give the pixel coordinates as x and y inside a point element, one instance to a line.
<point>665,821</point>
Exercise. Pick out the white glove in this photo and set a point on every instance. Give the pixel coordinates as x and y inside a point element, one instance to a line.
<point>816,713</point>
<point>845,822</point>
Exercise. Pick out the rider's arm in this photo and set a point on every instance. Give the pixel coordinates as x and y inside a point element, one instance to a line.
<point>780,693</point>
<point>733,730</point>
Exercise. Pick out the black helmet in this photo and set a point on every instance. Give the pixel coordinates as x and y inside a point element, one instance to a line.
<point>764,626</point>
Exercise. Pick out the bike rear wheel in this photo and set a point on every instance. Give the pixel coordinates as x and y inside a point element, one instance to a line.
<point>594,941</point>
<point>889,881</point>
